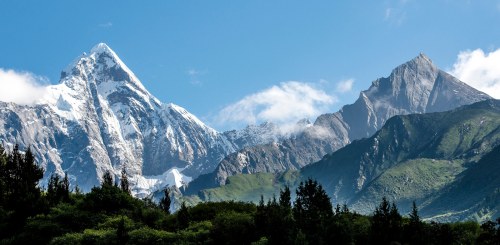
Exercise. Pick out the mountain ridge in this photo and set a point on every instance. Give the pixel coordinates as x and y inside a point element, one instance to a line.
<point>416,86</point>
<point>100,118</point>
<point>448,162</point>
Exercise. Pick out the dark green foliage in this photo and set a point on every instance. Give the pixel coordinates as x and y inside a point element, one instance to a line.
<point>124,185</point>
<point>490,233</point>
<point>107,179</point>
<point>110,215</point>
<point>57,190</point>
<point>414,231</point>
<point>108,198</point>
<point>165,201</point>
<point>209,210</point>
<point>233,228</point>
<point>183,216</point>
<point>20,196</point>
<point>386,223</point>
<point>312,211</point>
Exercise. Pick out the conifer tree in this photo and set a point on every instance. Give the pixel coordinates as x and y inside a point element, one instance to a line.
<point>21,193</point>
<point>3,176</point>
<point>183,216</point>
<point>165,201</point>
<point>386,223</point>
<point>65,188</point>
<point>285,198</point>
<point>124,184</point>
<point>414,217</point>
<point>414,229</point>
<point>312,210</point>
<point>107,179</point>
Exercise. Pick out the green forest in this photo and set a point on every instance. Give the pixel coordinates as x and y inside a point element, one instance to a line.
<point>108,214</point>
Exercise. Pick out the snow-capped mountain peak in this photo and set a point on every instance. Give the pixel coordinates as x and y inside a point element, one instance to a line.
<point>101,118</point>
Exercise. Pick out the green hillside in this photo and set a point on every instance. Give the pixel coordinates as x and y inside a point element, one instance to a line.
<point>443,161</point>
<point>248,187</point>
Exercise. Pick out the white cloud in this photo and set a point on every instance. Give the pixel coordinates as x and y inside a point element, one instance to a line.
<point>21,87</point>
<point>479,70</point>
<point>194,76</point>
<point>395,16</point>
<point>395,12</point>
<point>345,86</point>
<point>106,25</point>
<point>284,105</point>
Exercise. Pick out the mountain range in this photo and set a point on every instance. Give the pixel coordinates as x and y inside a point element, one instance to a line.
<point>447,162</point>
<point>416,86</point>
<point>418,134</point>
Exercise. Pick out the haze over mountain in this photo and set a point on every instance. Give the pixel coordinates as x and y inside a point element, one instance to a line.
<point>445,161</point>
<point>101,118</point>
<point>448,162</point>
<point>417,86</point>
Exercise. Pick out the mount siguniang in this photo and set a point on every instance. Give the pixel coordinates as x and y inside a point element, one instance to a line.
<point>101,118</point>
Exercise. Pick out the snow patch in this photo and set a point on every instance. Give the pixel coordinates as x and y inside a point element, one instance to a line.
<point>145,185</point>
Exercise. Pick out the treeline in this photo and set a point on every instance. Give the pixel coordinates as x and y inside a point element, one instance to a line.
<point>108,214</point>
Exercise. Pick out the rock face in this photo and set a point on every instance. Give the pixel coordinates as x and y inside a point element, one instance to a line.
<point>447,162</point>
<point>101,118</point>
<point>417,86</point>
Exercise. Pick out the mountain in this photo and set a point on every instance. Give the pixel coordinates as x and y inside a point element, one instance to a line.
<point>446,161</point>
<point>475,194</point>
<point>101,118</point>
<point>416,86</point>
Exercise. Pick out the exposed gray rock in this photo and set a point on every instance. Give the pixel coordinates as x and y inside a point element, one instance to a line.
<point>101,118</point>
<point>417,86</point>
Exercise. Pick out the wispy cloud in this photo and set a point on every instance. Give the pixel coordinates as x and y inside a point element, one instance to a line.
<point>395,13</point>
<point>194,76</point>
<point>108,24</point>
<point>284,104</point>
<point>395,16</point>
<point>480,70</point>
<point>21,87</point>
<point>345,86</point>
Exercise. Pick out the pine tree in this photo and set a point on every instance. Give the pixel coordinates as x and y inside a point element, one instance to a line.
<point>280,219</point>
<point>261,219</point>
<point>124,184</point>
<point>52,190</point>
<point>65,188</point>
<point>3,176</point>
<point>165,201</point>
<point>414,229</point>
<point>21,193</point>
<point>312,210</point>
<point>107,179</point>
<point>183,216</point>
<point>57,189</point>
<point>414,217</point>
<point>285,198</point>
<point>386,223</point>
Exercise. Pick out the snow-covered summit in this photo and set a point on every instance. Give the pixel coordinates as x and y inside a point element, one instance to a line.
<point>101,118</point>
<point>102,48</point>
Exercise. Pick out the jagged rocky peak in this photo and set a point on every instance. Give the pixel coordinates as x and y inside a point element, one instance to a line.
<point>102,62</point>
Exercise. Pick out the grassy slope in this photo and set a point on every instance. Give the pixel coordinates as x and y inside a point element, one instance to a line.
<point>417,158</point>
<point>249,187</point>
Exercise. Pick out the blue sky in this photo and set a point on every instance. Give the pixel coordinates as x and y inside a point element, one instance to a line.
<point>219,57</point>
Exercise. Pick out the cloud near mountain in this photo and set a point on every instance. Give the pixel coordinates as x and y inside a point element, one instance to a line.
<point>480,70</point>
<point>283,104</point>
<point>21,87</point>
